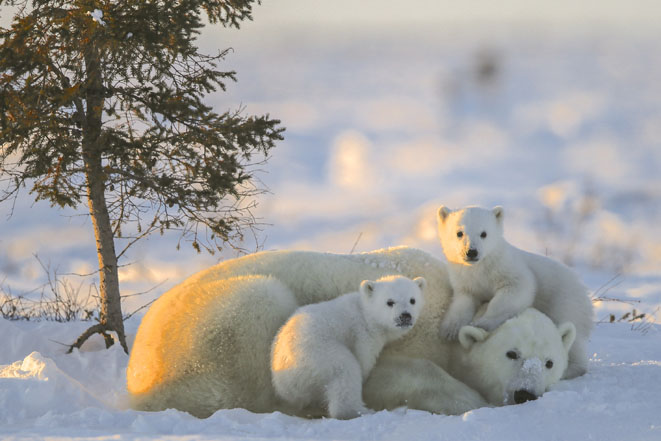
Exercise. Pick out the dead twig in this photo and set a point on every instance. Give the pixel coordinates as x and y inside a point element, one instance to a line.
<point>353,248</point>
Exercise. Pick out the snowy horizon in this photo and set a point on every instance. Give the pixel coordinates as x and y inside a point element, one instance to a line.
<point>383,130</point>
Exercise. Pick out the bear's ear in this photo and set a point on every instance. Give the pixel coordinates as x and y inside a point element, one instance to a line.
<point>469,335</point>
<point>443,213</point>
<point>567,332</point>
<point>498,212</point>
<point>421,282</point>
<point>367,288</point>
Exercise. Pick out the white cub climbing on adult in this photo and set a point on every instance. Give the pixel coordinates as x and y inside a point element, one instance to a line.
<point>323,354</point>
<point>485,269</point>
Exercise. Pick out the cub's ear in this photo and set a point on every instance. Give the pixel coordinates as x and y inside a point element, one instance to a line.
<point>469,335</point>
<point>367,288</point>
<point>443,213</point>
<point>567,332</point>
<point>421,282</point>
<point>498,212</point>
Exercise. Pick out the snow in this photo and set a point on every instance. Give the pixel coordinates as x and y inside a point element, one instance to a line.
<point>47,393</point>
<point>383,126</point>
<point>97,16</point>
<point>532,365</point>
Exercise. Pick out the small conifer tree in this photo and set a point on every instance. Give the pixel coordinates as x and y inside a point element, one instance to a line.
<point>101,102</point>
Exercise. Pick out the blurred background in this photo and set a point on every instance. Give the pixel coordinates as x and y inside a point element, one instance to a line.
<point>551,109</point>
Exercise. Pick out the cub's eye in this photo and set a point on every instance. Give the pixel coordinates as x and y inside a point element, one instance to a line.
<point>512,355</point>
<point>549,364</point>
<point>460,234</point>
<point>412,301</point>
<point>483,234</point>
<point>390,303</point>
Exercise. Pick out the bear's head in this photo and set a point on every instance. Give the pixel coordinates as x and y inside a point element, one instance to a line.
<point>518,361</point>
<point>393,302</point>
<point>469,234</point>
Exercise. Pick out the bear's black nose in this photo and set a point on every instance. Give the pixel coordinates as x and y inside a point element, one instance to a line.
<point>522,395</point>
<point>471,254</point>
<point>404,319</point>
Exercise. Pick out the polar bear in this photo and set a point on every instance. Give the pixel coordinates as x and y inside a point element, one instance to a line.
<point>205,344</point>
<point>515,363</point>
<point>518,361</point>
<point>485,268</point>
<point>325,351</point>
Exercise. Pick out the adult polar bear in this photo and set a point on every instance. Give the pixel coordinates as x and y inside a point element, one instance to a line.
<point>205,344</point>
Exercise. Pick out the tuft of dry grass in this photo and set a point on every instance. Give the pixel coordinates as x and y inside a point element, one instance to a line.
<point>58,299</point>
<point>640,321</point>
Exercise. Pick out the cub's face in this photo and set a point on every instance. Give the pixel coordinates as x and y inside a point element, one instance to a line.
<point>394,302</point>
<point>520,360</point>
<point>470,234</point>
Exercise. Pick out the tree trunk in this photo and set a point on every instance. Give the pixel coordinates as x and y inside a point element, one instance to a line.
<point>110,315</point>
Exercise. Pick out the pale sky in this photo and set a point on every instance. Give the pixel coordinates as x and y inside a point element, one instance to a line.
<point>631,13</point>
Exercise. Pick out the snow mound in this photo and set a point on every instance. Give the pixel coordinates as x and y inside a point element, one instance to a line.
<point>36,386</point>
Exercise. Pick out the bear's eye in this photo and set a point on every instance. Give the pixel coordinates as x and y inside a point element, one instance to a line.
<point>549,364</point>
<point>390,303</point>
<point>483,234</point>
<point>512,355</point>
<point>460,234</point>
<point>412,301</point>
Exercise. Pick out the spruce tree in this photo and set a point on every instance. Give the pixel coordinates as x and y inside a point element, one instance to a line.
<point>101,102</point>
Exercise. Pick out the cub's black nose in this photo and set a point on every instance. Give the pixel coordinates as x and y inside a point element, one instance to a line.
<point>522,395</point>
<point>471,254</point>
<point>404,319</point>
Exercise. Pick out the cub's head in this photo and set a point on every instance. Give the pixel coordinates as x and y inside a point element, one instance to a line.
<point>393,302</point>
<point>518,361</point>
<point>469,234</point>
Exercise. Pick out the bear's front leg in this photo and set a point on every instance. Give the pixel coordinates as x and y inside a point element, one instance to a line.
<point>507,302</point>
<point>418,384</point>
<point>459,314</point>
<point>344,398</point>
<point>345,387</point>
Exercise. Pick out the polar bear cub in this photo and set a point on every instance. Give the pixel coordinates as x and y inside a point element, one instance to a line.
<point>322,355</point>
<point>485,269</point>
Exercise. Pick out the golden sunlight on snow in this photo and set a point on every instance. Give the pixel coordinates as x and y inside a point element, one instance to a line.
<point>139,272</point>
<point>555,195</point>
<point>426,229</point>
<point>350,165</point>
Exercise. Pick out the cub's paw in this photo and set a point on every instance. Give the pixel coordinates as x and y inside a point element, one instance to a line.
<point>450,329</point>
<point>488,324</point>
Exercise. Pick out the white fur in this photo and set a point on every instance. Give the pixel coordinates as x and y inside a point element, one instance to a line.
<point>485,269</point>
<point>325,351</point>
<point>541,351</point>
<point>205,344</point>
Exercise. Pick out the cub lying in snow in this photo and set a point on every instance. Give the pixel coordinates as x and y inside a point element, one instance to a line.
<point>322,355</point>
<point>483,267</point>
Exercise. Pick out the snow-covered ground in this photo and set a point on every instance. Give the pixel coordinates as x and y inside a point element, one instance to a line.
<point>560,124</point>
<point>45,393</point>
